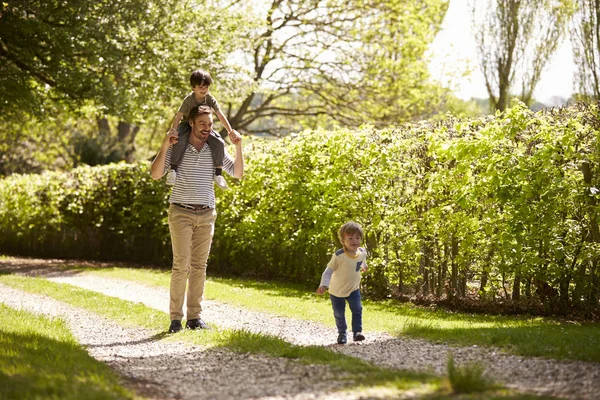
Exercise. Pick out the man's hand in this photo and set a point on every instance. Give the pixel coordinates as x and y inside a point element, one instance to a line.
<point>321,289</point>
<point>172,136</point>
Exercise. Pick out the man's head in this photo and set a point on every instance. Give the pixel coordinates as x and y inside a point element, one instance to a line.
<point>201,121</point>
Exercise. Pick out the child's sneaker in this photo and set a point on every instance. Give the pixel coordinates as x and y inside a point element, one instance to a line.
<point>342,338</point>
<point>220,181</point>
<point>358,337</point>
<point>171,177</point>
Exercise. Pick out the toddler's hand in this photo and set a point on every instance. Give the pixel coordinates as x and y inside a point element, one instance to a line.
<point>321,290</point>
<point>234,136</point>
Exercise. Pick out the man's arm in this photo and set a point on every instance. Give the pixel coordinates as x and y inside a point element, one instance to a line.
<point>157,169</point>
<point>238,163</point>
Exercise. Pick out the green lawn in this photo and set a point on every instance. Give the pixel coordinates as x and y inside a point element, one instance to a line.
<point>126,313</point>
<point>40,359</point>
<point>358,373</point>
<point>518,335</point>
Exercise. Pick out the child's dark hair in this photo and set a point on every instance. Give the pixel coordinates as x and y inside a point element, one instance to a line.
<point>350,228</point>
<point>200,78</point>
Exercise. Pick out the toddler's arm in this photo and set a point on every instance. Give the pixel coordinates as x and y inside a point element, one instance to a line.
<point>364,267</point>
<point>177,120</point>
<point>325,279</point>
<point>232,132</point>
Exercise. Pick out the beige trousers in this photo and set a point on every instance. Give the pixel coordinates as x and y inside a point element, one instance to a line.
<point>191,237</point>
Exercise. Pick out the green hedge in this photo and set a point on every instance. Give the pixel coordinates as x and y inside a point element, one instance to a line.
<point>114,212</point>
<point>496,206</point>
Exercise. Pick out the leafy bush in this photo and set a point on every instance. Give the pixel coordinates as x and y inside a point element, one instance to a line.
<point>494,207</point>
<point>114,212</point>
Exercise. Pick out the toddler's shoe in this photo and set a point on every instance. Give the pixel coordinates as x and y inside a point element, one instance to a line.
<point>342,338</point>
<point>171,177</point>
<point>220,181</point>
<point>358,337</point>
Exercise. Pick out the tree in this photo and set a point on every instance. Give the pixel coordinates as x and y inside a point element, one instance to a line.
<point>586,48</point>
<point>515,41</point>
<point>127,59</point>
<point>346,61</point>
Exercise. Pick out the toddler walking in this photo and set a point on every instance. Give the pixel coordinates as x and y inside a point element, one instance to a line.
<point>342,279</point>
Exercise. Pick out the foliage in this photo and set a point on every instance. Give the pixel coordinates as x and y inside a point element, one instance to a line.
<point>500,201</point>
<point>107,213</point>
<point>586,49</point>
<point>310,63</point>
<point>467,379</point>
<point>494,207</point>
<point>128,60</point>
<point>515,40</point>
<point>124,55</point>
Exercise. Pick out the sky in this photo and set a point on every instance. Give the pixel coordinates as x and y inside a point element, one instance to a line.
<point>454,52</point>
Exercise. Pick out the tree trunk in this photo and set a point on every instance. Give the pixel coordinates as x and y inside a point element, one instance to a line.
<point>516,290</point>
<point>564,290</point>
<point>582,284</point>
<point>462,284</point>
<point>103,128</point>
<point>424,266</point>
<point>126,133</point>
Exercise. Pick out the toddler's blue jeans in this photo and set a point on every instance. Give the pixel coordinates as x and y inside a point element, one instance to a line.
<point>339,311</point>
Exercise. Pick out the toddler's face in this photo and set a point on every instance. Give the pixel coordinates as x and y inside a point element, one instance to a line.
<point>200,91</point>
<point>352,241</point>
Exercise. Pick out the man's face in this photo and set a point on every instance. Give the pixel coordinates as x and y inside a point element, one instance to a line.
<point>201,126</point>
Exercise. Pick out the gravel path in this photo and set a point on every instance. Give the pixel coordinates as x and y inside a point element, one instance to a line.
<point>161,369</point>
<point>574,380</point>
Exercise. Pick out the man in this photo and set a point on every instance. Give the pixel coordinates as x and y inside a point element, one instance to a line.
<point>192,213</point>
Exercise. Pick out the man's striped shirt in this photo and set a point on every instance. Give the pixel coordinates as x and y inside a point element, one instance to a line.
<point>195,174</point>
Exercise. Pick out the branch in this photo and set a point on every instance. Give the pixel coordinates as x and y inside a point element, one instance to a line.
<point>6,54</point>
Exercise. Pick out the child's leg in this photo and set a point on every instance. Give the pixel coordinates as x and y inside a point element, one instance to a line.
<point>355,304</point>
<point>217,150</point>
<point>339,311</point>
<point>178,150</point>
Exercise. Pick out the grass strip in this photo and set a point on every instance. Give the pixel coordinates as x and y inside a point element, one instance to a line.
<point>359,373</point>
<point>520,335</point>
<point>127,313</point>
<point>40,359</point>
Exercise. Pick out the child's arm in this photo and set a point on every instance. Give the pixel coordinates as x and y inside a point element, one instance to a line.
<point>177,120</point>
<point>232,132</point>
<point>364,267</point>
<point>325,279</point>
